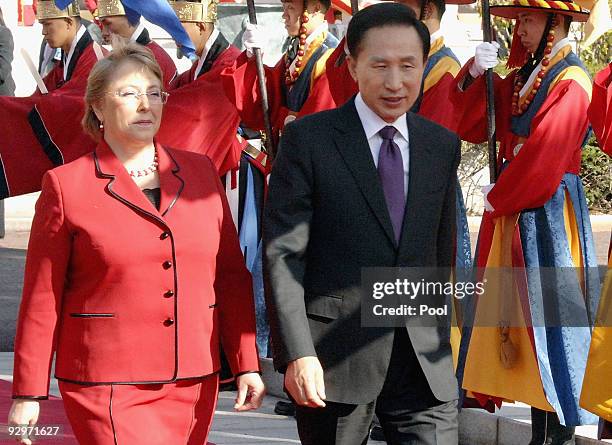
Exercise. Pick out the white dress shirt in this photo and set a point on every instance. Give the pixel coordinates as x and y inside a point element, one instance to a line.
<point>372,123</point>
<point>82,30</point>
<point>207,47</point>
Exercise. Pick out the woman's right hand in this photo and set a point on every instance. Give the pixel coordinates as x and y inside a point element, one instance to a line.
<point>24,413</point>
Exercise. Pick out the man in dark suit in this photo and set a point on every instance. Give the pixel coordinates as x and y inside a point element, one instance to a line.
<point>369,184</point>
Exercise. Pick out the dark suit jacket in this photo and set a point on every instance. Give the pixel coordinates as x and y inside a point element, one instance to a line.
<point>7,85</point>
<point>123,292</point>
<point>325,219</point>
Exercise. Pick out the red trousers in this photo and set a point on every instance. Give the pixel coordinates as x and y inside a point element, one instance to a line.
<point>163,414</point>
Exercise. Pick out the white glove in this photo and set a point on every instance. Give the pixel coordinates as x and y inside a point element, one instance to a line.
<point>484,58</point>
<point>485,192</point>
<point>253,37</point>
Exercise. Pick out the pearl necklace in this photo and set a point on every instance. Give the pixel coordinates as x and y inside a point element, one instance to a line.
<point>517,109</point>
<point>152,168</point>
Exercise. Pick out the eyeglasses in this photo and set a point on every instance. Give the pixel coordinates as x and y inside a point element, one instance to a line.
<point>155,97</point>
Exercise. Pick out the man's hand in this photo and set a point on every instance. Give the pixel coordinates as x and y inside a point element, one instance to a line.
<point>304,381</point>
<point>484,58</point>
<point>24,412</point>
<point>252,38</point>
<point>251,391</point>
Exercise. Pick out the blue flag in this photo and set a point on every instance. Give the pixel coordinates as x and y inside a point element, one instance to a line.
<point>158,12</point>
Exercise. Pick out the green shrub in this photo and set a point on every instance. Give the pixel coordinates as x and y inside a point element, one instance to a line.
<point>596,173</point>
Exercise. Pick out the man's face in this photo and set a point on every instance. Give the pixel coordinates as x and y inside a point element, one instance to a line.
<point>531,29</point>
<point>57,32</point>
<point>292,10</point>
<point>389,69</point>
<point>415,5</point>
<point>195,32</point>
<point>117,25</point>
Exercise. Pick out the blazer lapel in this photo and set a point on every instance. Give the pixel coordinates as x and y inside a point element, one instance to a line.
<point>421,160</point>
<point>170,182</point>
<point>351,142</point>
<point>121,187</point>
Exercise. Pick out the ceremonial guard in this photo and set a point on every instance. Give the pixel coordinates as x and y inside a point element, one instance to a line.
<point>290,81</point>
<point>536,220</point>
<point>62,28</point>
<point>213,51</point>
<point>116,20</point>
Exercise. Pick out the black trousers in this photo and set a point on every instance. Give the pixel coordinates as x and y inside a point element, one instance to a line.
<point>407,409</point>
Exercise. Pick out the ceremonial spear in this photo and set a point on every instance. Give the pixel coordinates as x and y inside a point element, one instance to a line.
<point>261,79</point>
<point>488,37</point>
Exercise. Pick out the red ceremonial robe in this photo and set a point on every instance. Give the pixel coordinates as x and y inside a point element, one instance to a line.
<point>82,61</point>
<point>600,110</point>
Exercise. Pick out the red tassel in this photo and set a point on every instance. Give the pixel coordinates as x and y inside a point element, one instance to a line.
<point>518,53</point>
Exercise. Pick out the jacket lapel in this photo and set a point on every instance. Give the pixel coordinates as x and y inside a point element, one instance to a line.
<point>170,182</point>
<point>351,142</point>
<point>422,158</point>
<point>121,187</point>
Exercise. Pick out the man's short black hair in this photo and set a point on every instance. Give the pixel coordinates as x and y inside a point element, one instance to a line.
<point>381,15</point>
<point>326,4</point>
<point>441,5</point>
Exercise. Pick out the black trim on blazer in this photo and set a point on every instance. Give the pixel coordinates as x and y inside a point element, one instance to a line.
<point>110,414</point>
<point>4,188</point>
<point>83,42</point>
<point>109,187</point>
<point>30,397</point>
<point>91,315</point>
<point>142,382</point>
<point>44,138</point>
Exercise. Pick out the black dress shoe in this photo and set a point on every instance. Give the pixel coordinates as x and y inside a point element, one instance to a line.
<point>284,408</point>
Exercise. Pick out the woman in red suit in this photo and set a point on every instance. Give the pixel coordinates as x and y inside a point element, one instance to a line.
<point>125,287</point>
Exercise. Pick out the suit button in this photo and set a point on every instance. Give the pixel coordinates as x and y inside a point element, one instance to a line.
<point>167,264</point>
<point>168,322</point>
<point>164,235</point>
<point>169,294</point>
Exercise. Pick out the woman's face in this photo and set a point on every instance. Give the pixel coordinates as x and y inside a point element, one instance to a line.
<point>128,115</point>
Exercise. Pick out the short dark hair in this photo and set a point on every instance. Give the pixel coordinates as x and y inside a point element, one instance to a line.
<point>381,15</point>
<point>325,3</point>
<point>441,5</point>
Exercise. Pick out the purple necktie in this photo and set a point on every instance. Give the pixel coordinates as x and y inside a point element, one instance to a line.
<point>391,173</point>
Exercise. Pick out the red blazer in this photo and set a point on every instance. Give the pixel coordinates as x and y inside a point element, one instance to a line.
<point>124,293</point>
